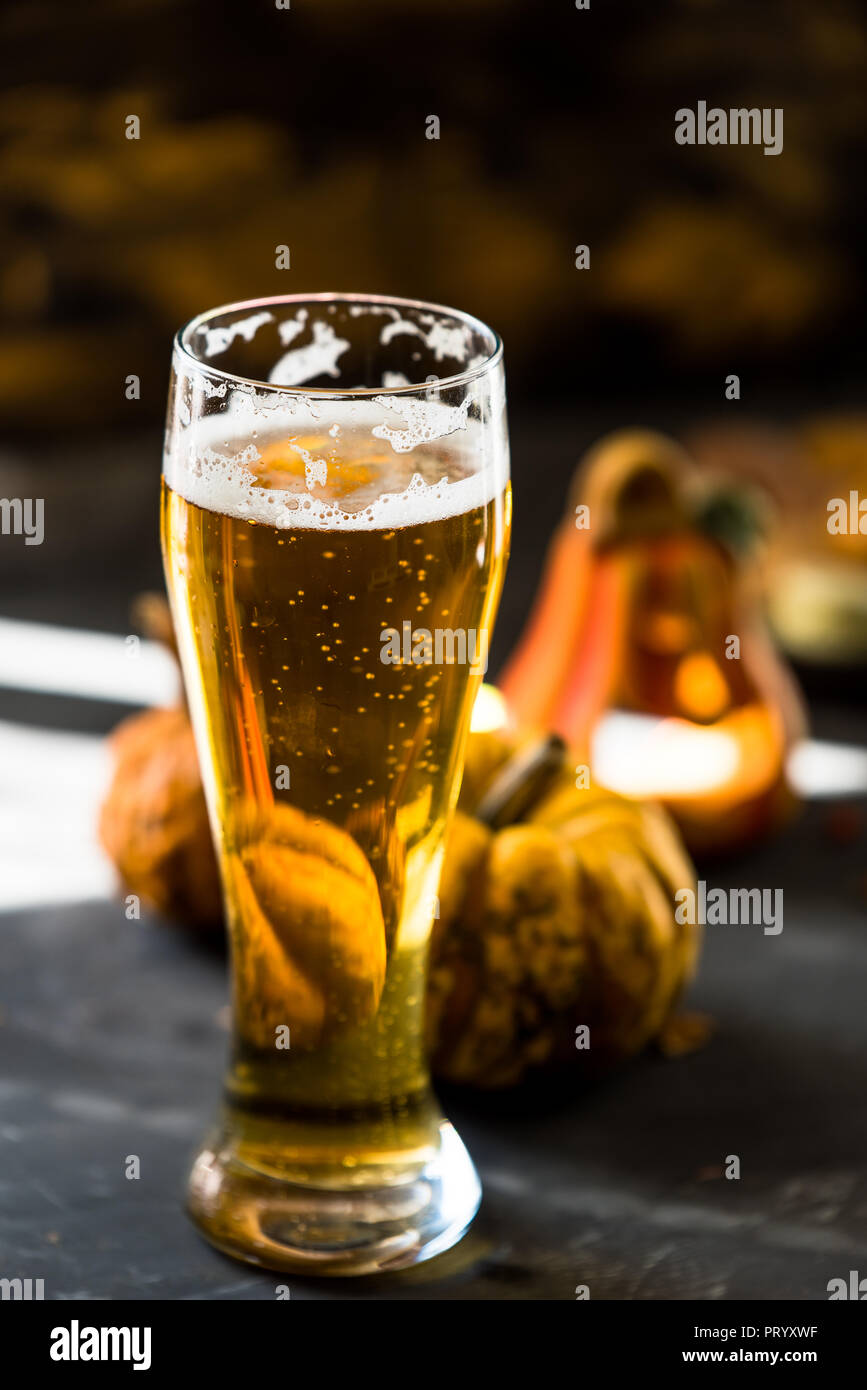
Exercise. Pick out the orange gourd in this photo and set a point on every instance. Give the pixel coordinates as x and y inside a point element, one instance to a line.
<point>655,611</point>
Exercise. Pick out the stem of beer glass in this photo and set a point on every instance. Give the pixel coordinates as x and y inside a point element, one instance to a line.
<point>335,520</point>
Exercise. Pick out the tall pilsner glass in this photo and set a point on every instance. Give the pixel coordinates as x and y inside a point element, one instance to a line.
<point>335,521</point>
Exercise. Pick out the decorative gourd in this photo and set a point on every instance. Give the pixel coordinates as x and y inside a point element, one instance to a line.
<point>649,605</point>
<point>564,920</point>
<point>153,823</point>
<point>313,944</point>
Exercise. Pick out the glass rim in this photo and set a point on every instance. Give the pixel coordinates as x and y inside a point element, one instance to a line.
<point>491,361</point>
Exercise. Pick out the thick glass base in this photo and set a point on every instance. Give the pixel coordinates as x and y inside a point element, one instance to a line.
<point>379,1217</point>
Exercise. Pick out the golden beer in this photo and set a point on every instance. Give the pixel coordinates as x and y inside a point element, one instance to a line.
<point>333,599</point>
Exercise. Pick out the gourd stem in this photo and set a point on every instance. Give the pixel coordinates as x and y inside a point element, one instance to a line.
<point>521,782</point>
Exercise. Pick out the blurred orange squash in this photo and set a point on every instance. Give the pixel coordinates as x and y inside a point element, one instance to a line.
<point>650,606</point>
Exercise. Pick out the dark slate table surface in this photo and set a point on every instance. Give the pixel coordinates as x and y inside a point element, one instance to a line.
<point>113,1036</point>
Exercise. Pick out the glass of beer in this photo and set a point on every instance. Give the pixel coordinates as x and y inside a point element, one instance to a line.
<point>335,521</point>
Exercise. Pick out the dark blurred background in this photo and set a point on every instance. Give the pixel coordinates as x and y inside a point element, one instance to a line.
<point>307,127</point>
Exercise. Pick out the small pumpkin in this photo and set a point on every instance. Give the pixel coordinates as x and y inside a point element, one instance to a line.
<point>313,901</point>
<point>153,822</point>
<point>565,919</point>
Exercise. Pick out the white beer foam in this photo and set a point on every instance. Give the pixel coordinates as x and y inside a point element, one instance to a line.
<point>218,339</point>
<point>205,468</point>
<point>318,358</point>
<point>423,421</point>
